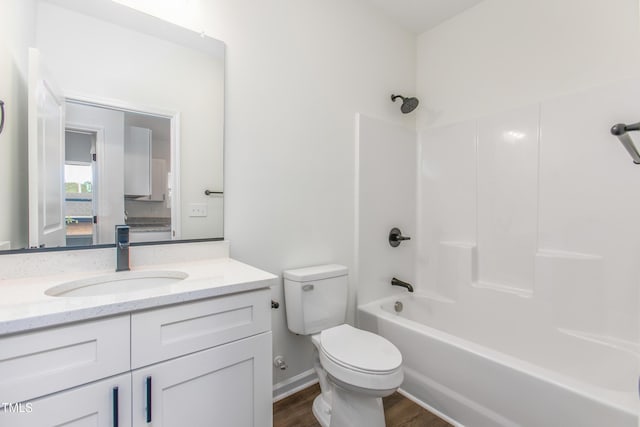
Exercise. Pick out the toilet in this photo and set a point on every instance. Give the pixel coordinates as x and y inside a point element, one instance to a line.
<point>355,368</point>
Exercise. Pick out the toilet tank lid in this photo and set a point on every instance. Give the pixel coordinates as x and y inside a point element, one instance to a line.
<point>316,272</point>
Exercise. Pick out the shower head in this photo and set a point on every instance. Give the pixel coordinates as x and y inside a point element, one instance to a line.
<point>408,104</point>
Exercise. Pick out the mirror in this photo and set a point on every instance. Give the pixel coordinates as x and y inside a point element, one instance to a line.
<point>125,125</point>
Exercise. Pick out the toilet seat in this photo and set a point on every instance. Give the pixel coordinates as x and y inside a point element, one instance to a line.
<point>360,358</point>
<point>360,350</point>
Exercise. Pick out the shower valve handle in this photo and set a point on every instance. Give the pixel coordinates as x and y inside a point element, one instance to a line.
<point>396,237</point>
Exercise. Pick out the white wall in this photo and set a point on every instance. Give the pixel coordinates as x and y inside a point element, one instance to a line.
<point>99,60</point>
<point>509,53</point>
<point>297,72</point>
<point>522,188</point>
<point>16,36</point>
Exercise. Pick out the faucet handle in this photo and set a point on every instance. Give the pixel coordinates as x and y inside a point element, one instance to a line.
<point>396,237</point>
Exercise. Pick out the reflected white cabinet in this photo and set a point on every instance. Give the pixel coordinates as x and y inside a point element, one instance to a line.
<point>158,180</point>
<point>144,176</point>
<point>159,185</point>
<point>200,363</point>
<point>137,161</point>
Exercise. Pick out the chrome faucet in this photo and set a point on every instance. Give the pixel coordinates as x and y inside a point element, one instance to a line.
<point>396,282</point>
<point>122,248</point>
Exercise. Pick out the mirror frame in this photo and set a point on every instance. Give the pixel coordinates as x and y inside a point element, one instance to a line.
<point>107,245</point>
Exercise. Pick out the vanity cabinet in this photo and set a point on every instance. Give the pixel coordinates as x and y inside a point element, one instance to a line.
<point>191,364</point>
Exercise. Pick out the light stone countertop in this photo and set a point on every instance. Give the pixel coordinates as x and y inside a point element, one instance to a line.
<point>25,306</point>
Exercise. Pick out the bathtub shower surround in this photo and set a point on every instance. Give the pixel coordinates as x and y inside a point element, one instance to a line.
<point>529,203</point>
<point>526,266</point>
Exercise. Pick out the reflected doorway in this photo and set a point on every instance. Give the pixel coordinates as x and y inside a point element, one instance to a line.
<point>130,161</point>
<point>80,185</point>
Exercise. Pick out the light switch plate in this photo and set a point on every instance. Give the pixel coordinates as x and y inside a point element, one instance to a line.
<point>197,209</point>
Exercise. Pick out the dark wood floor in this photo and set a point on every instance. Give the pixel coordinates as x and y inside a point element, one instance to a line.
<point>295,411</point>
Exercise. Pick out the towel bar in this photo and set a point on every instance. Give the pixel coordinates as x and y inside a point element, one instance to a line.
<point>620,130</point>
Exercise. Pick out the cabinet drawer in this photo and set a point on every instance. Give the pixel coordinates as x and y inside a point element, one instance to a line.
<point>37,363</point>
<point>170,332</point>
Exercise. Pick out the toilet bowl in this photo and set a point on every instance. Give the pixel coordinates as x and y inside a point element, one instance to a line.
<point>355,368</point>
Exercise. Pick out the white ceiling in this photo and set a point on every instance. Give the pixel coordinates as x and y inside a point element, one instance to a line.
<point>419,16</point>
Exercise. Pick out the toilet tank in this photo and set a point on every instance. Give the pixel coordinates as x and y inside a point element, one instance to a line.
<point>316,297</point>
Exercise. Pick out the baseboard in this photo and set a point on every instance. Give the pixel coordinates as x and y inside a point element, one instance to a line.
<point>294,384</point>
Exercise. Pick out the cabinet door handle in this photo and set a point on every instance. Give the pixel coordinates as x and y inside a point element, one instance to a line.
<point>115,406</point>
<point>148,383</point>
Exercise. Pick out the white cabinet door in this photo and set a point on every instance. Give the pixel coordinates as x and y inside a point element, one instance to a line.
<point>105,403</point>
<point>229,385</point>
<point>137,162</point>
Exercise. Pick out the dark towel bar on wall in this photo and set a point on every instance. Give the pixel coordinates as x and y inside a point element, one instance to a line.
<point>621,131</point>
<point>1,115</point>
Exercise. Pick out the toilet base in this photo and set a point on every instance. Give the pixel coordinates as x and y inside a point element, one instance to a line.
<point>351,407</point>
<point>347,407</point>
<point>322,410</point>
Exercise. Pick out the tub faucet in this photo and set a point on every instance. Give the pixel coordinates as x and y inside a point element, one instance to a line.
<point>122,248</point>
<point>396,282</point>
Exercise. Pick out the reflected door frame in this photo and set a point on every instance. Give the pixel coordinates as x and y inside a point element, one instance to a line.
<point>98,168</point>
<point>174,176</point>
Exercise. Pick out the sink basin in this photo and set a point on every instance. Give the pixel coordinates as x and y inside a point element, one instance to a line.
<point>116,283</point>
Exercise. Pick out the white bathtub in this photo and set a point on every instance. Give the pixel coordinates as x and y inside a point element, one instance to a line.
<point>481,369</point>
